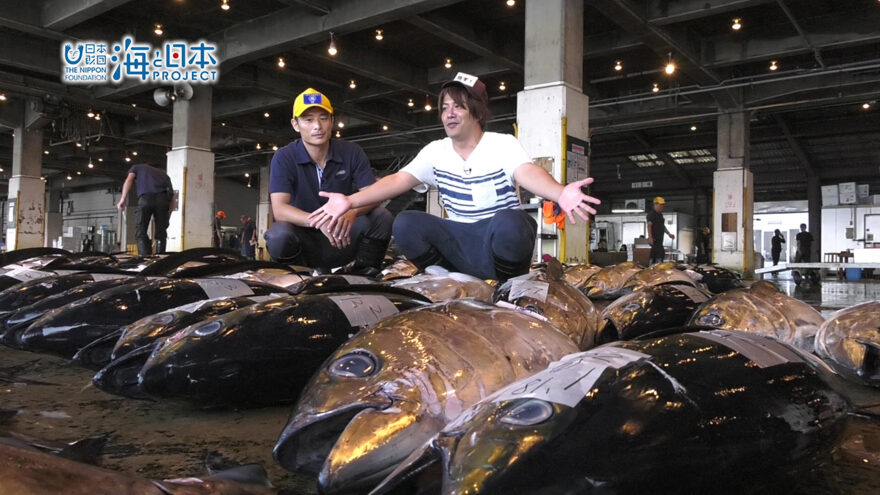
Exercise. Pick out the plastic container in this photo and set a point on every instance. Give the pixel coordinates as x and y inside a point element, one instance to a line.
<point>853,273</point>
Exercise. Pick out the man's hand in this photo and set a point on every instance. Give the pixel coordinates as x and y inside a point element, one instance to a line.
<point>121,206</point>
<point>572,200</point>
<point>337,204</point>
<point>672,236</point>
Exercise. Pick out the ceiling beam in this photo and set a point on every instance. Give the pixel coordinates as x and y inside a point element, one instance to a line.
<point>662,12</point>
<point>317,7</point>
<point>477,41</point>
<point>31,54</point>
<point>59,15</point>
<point>665,157</point>
<point>796,147</point>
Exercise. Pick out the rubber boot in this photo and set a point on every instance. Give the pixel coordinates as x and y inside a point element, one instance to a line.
<point>145,247</point>
<point>428,258</point>
<point>160,246</point>
<point>369,256</point>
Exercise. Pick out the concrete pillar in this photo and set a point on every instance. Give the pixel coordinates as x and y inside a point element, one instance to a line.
<point>814,215</point>
<point>54,220</point>
<point>264,218</point>
<point>552,111</point>
<point>27,192</point>
<point>733,245</point>
<point>191,168</point>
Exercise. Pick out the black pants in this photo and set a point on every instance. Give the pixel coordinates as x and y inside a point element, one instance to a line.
<point>657,253</point>
<point>802,256</point>
<point>775,256</point>
<point>157,206</point>
<point>289,243</point>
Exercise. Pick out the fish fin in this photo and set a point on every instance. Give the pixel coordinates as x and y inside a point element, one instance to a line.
<point>870,368</point>
<point>249,474</point>
<point>86,450</point>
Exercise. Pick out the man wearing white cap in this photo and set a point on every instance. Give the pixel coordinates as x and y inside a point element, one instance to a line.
<point>315,164</point>
<point>487,234</point>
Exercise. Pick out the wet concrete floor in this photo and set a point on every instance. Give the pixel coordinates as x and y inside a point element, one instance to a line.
<point>168,440</point>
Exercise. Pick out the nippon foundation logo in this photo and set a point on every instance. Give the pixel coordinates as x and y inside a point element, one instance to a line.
<point>98,62</point>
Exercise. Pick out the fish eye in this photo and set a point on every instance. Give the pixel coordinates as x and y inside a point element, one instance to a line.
<point>711,320</point>
<point>359,364</point>
<point>208,329</point>
<point>528,413</point>
<point>163,319</point>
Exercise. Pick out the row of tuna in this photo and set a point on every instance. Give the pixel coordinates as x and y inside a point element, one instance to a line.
<point>380,374</point>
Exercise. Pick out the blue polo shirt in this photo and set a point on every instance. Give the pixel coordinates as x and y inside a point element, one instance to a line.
<point>150,180</point>
<point>293,172</point>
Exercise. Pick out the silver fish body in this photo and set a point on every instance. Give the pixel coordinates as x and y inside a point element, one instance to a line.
<point>850,340</point>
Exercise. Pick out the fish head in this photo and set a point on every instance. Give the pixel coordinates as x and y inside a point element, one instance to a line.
<point>850,340</point>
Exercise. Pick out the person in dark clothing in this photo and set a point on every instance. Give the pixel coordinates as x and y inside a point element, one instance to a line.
<point>217,231</point>
<point>315,164</point>
<point>704,239</point>
<point>656,230</point>
<point>155,194</point>
<point>804,242</point>
<point>248,237</point>
<point>776,243</point>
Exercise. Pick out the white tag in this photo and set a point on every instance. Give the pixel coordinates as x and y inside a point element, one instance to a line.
<point>220,287</point>
<point>364,310</point>
<point>67,272</point>
<point>193,307</point>
<point>568,380</point>
<point>466,79</point>
<point>507,305</point>
<point>25,274</point>
<point>268,297</point>
<point>10,267</point>
<point>534,289</point>
<point>764,351</point>
<point>484,194</point>
<point>695,295</point>
<point>357,279</point>
<point>97,277</point>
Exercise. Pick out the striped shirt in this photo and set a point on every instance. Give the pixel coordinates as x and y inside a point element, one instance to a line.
<point>476,188</point>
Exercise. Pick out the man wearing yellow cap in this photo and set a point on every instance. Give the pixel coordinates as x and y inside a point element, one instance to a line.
<point>656,230</point>
<point>316,163</point>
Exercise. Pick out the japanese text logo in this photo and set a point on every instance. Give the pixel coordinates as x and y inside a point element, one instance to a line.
<point>97,62</point>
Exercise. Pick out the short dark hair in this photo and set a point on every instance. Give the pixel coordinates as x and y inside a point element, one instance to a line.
<point>803,225</point>
<point>478,109</point>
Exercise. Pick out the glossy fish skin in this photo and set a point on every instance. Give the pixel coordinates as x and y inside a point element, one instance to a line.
<point>730,406</point>
<point>258,355</point>
<point>564,306</point>
<point>67,329</point>
<point>33,291</point>
<point>850,340</point>
<point>608,282</point>
<point>716,278</point>
<point>445,286</point>
<point>16,323</point>
<point>661,273</point>
<point>764,310</point>
<point>648,310</point>
<point>578,275</point>
<point>390,388</point>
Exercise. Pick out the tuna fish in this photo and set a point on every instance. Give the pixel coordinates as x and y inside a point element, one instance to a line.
<point>565,307</point>
<point>32,291</point>
<point>264,353</point>
<point>30,472</point>
<point>661,273</point>
<point>648,310</point>
<point>715,278</point>
<point>389,389</point>
<point>444,285</point>
<point>850,340</point>
<point>707,412</point>
<point>608,282</point>
<point>67,329</point>
<point>761,309</point>
<point>578,275</point>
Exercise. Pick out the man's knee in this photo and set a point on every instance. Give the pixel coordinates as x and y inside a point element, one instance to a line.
<point>513,234</point>
<point>281,241</point>
<point>381,222</point>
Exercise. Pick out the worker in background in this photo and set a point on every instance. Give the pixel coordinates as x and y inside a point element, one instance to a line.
<point>804,242</point>
<point>315,164</point>
<point>703,240</point>
<point>155,200</point>
<point>217,237</point>
<point>656,230</point>
<point>248,237</point>
<point>487,234</point>
<point>776,243</point>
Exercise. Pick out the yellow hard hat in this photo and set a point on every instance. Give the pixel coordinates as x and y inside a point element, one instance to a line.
<point>311,98</point>
<point>659,201</point>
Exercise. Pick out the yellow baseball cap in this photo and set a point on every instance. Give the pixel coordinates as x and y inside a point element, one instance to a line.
<point>311,98</point>
<point>659,201</point>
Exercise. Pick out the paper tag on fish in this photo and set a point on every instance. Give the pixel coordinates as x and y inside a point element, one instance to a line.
<point>66,272</point>
<point>763,351</point>
<point>568,380</point>
<point>528,288</point>
<point>364,310</point>
<point>24,274</point>
<point>693,293</point>
<point>97,277</point>
<point>268,297</point>
<point>10,267</point>
<point>356,279</point>
<point>193,307</point>
<point>507,305</point>
<point>220,287</point>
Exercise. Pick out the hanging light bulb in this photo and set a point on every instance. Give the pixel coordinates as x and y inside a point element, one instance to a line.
<point>246,174</point>
<point>737,25</point>
<point>340,124</point>
<point>97,116</point>
<point>91,165</point>
<point>134,153</point>
<point>100,160</point>
<point>866,105</point>
<point>78,172</point>
<point>281,62</point>
<point>410,103</point>
<point>266,114</point>
<point>128,159</point>
<point>352,84</point>
<point>2,96</point>
<point>157,30</point>
<point>69,177</point>
<point>693,127</point>
<point>338,134</point>
<point>502,86</point>
<point>773,65</point>
<point>511,3</point>
<point>45,152</point>
<point>332,49</point>
<point>670,65</point>
<point>656,88</point>
<point>249,183</point>
<point>259,147</point>
<point>90,114</point>
<point>618,66</point>
<point>224,5</point>
<point>379,35</point>
<point>428,106</point>
<point>384,127</point>
<point>79,145</point>
<point>274,147</point>
<point>448,63</point>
